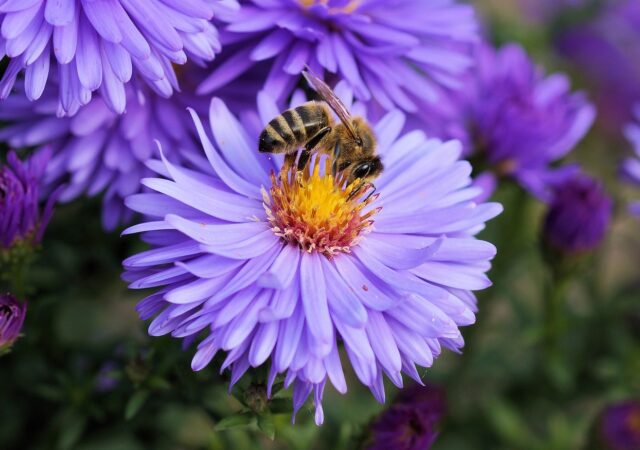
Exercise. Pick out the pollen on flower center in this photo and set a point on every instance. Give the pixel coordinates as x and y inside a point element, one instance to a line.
<point>317,212</point>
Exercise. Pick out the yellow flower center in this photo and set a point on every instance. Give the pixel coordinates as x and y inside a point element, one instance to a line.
<point>317,212</point>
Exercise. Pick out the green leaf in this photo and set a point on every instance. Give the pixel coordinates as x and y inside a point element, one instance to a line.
<point>265,423</point>
<point>135,403</point>
<point>159,383</point>
<point>235,421</point>
<point>508,423</point>
<point>73,426</point>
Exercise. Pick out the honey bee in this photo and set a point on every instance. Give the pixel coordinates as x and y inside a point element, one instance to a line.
<point>312,126</point>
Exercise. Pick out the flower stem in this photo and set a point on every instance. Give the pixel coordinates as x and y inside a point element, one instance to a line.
<point>554,326</point>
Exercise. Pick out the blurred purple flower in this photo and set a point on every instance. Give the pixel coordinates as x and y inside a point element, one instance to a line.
<point>21,217</point>
<point>411,422</point>
<point>98,150</point>
<point>620,426</point>
<point>102,44</point>
<point>239,252</point>
<point>515,118</point>
<point>396,52</point>
<point>579,215</point>
<point>606,51</point>
<point>107,377</point>
<point>630,168</point>
<point>12,314</point>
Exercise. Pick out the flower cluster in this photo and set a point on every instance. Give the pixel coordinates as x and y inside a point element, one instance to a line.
<point>631,166</point>
<point>98,150</point>
<point>395,53</point>
<point>12,314</point>
<point>282,265</point>
<point>86,46</point>
<point>516,119</point>
<point>22,220</point>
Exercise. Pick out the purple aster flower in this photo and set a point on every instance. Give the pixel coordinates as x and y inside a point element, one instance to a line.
<point>606,51</point>
<point>630,168</point>
<point>620,426</point>
<point>22,220</point>
<point>410,423</point>
<point>98,150</point>
<point>396,52</point>
<point>579,215</point>
<point>99,45</point>
<point>515,118</point>
<point>12,314</point>
<point>283,266</point>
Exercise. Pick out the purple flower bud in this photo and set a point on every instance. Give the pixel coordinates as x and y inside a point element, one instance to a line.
<point>411,423</point>
<point>21,218</point>
<point>12,314</point>
<point>579,215</point>
<point>620,426</point>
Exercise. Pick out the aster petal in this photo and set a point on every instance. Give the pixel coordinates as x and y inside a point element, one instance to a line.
<point>101,18</point>
<point>162,255</point>
<point>289,335</point>
<point>454,275</point>
<point>344,307</point>
<point>401,258</point>
<point>239,212</point>
<point>59,12</point>
<point>89,67</point>
<point>65,39</point>
<point>362,287</point>
<point>314,300</point>
<point>282,304</point>
<point>333,367</point>
<point>210,266</point>
<point>216,234</point>
<point>411,343</point>
<point>246,276</point>
<point>240,328</point>
<point>283,270</point>
<point>383,343</point>
<point>263,343</point>
<point>231,179</point>
<point>235,145</point>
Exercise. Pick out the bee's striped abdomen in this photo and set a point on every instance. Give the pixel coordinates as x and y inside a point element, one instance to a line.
<point>293,128</point>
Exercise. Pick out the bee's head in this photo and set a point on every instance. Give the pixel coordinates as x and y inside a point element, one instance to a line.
<point>365,140</point>
<point>366,169</point>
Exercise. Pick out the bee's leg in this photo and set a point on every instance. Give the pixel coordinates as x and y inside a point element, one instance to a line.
<point>336,155</point>
<point>304,158</point>
<point>371,193</point>
<point>310,145</point>
<point>354,192</point>
<point>316,138</point>
<point>289,160</point>
<point>360,186</point>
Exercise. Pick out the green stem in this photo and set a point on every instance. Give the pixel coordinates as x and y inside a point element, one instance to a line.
<point>554,326</point>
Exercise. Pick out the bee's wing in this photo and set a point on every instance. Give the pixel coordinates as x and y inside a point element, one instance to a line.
<point>332,99</point>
